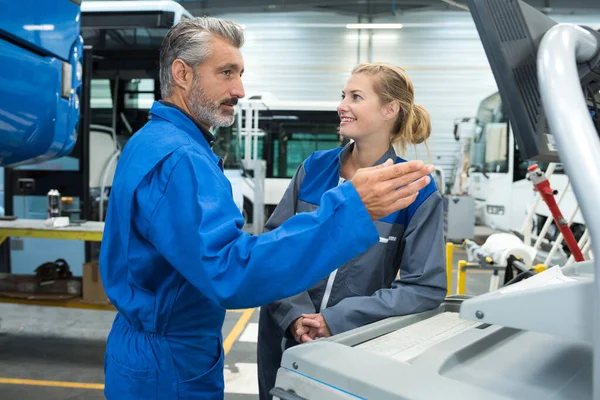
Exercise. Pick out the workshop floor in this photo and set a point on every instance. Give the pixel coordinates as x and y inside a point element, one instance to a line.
<point>57,353</point>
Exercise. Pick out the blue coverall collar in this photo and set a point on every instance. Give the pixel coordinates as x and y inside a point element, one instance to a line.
<point>172,113</point>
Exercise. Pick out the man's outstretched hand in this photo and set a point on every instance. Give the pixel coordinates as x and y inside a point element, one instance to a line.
<point>389,187</point>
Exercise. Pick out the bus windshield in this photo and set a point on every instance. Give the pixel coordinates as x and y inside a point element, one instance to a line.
<point>125,37</point>
<point>286,146</point>
<point>491,146</point>
<point>489,150</point>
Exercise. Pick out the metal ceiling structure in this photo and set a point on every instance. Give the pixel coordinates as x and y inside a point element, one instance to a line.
<point>364,8</point>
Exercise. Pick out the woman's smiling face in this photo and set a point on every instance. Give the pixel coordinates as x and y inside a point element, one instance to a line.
<point>360,111</point>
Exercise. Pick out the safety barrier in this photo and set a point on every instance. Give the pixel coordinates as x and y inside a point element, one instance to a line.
<point>485,264</point>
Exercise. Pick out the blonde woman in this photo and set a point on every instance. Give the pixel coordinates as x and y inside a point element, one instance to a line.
<point>378,113</point>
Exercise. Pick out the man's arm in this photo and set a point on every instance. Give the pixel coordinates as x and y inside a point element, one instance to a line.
<point>197,229</point>
<point>286,311</point>
<point>422,282</point>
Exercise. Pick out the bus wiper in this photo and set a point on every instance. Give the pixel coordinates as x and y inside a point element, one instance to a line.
<point>478,168</point>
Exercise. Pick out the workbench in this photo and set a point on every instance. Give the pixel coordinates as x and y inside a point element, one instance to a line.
<point>89,231</point>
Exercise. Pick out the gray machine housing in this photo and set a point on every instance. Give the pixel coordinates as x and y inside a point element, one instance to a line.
<point>484,361</point>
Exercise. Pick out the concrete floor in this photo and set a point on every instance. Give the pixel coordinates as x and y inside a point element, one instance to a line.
<point>57,353</point>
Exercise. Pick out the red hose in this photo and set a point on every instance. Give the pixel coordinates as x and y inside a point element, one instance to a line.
<point>542,185</point>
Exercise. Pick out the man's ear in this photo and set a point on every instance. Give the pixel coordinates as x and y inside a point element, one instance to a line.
<point>182,74</point>
<point>390,110</point>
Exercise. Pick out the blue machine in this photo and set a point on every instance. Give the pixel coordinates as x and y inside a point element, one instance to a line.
<point>40,80</point>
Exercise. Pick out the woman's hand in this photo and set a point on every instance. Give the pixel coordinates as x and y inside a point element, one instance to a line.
<point>317,327</point>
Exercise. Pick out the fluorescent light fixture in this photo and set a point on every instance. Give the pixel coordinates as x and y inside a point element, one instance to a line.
<point>374,26</point>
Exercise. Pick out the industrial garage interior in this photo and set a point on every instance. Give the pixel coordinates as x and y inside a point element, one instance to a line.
<point>115,284</point>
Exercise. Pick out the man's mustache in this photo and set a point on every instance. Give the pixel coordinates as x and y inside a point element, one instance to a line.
<point>231,101</point>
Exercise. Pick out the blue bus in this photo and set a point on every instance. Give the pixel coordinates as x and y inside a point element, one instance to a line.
<point>40,79</point>
<point>119,82</point>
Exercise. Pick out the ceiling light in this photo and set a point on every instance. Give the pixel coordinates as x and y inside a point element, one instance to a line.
<point>374,26</point>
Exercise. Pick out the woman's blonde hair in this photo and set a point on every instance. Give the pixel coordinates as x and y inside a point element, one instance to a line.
<point>392,84</point>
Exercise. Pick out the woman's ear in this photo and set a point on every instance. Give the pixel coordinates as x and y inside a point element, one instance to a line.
<point>390,110</point>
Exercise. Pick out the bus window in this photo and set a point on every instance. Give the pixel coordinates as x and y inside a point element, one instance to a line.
<point>286,147</point>
<point>496,147</point>
<point>117,39</point>
<point>229,148</point>
<point>137,98</point>
<point>477,151</point>
<point>298,141</point>
<point>139,94</point>
<point>226,146</point>
<point>520,170</point>
<point>100,94</point>
<point>111,25</point>
<point>489,149</point>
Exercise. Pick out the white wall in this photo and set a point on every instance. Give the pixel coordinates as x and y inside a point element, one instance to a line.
<point>309,56</point>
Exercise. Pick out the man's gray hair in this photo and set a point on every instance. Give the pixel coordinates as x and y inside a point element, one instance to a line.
<point>190,40</point>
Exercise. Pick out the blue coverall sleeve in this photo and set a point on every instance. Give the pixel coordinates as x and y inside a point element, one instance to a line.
<point>422,283</point>
<point>286,311</point>
<point>196,227</point>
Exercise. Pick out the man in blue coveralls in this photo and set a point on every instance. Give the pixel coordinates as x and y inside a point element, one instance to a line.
<point>174,256</point>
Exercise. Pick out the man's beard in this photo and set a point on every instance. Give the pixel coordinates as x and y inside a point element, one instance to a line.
<point>207,110</point>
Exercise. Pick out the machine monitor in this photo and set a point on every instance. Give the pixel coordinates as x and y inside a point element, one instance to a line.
<point>511,32</point>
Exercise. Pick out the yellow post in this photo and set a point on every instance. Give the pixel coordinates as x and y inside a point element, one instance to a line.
<point>449,262</point>
<point>461,280</point>
<point>539,268</point>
